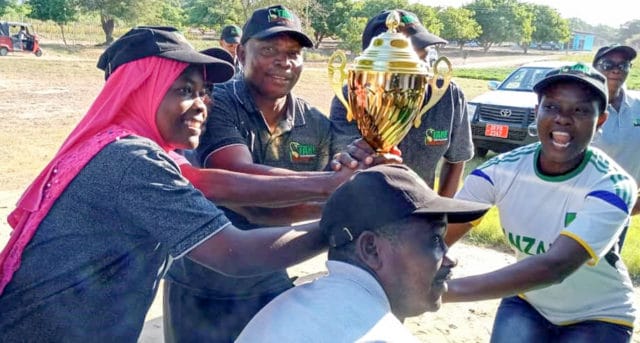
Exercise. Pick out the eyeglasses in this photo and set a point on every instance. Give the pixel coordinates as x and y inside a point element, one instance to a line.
<point>188,93</point>
<point>578,69</point>
<point>607,65</point>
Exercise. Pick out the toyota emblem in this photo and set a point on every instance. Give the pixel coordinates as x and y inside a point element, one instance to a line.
<point>505,112</point>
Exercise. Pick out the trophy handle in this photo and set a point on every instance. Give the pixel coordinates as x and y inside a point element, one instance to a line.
<point>337,64</point>
<point>436,92</point>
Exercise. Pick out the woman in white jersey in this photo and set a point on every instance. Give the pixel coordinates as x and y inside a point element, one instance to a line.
<point>562,207</point>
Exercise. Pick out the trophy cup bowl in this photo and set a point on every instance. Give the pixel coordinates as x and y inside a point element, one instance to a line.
<point>387,86</point>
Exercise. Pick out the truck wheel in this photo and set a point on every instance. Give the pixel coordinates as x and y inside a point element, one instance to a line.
<point>38,53</point>
<point>4,51</point>
<point>481,152</point>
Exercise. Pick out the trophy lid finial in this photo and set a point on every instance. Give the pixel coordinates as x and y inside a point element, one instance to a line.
<point>391,51</point>
<point>393,21</point>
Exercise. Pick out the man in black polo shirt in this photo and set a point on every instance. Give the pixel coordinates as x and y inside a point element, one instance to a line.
<point>255,126</point>
<point>445,132</point>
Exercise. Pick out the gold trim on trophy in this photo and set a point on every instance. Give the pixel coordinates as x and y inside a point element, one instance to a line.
<point>387,85</point>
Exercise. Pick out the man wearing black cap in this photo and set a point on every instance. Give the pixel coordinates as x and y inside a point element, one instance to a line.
<point>619,137</point>
<point>256,126</point>
<point>562,205</point>
<point>229,40</point>
<point>387,261</point>
<point>445,131</point>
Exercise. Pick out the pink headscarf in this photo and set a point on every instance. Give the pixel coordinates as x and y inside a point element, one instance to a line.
<point>126,105</point>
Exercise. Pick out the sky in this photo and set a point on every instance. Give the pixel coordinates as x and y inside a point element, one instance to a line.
<point>607,12</point>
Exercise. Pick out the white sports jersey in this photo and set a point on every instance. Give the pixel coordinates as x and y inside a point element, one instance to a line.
<point>589,204</point>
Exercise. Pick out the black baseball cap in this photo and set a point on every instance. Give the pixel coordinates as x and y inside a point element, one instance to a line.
<point>218,53</point>
<point>231,34</point>
<point>268,21</point>
<point>409,25</point>
<point>581,73</point>
<point>161,41</point>
<point>627,50</point>
<point>385,194</point>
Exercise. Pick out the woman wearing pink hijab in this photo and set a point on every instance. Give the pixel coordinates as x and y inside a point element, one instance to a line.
<point>95,231</point>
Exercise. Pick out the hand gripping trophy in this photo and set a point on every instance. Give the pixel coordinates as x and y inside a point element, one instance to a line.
<point>387,86</point>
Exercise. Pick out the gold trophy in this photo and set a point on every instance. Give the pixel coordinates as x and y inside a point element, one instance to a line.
<point>387,85</point>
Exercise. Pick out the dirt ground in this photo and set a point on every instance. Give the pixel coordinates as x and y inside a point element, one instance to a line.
<point>43,98</point>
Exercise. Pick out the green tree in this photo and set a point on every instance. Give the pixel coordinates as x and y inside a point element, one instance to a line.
<point>172,14</point>
<point>498,19</point>
<point>204,14</point>
<point>459,25</point>
<point>524,20</point>
<point>14,9</point>
<point>629,31</point>
<point>60,12</point>
<point>577,24</point>
<point>207,14</point>
<point>550,26</point>
<point>606,33</point>
<point>428,17</point>
<point>326,18</point>
<point>370,8</point>
<point>126,10</point>
<point>4,4</point>
<point>350,33</point>
<point>168,13</point>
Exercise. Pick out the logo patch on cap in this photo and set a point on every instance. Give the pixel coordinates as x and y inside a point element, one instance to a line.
<point>408,19</point>
<point>280,15</point>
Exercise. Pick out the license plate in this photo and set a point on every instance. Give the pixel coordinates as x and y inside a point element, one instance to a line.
<point>495,130</point>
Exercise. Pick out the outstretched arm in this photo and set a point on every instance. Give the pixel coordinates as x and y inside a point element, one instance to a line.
<point>455,232</point>
<point>229,188</point>
<point>281,215</point>
<point>565,257</point>
<point>450,175</point>
<point>289,188</point>
<point>237,252</point>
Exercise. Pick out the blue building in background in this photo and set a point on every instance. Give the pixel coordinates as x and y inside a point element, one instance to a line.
<point>581,41</point>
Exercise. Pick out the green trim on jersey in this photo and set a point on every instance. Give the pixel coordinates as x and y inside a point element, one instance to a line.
<point>560,178</point>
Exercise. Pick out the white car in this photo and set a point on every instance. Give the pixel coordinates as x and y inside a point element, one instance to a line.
<point>501,118</point>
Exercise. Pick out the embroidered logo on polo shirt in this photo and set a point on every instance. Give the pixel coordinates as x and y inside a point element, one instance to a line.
<point>636,122</point>
<point>436,137</point>
<point>301,152</point>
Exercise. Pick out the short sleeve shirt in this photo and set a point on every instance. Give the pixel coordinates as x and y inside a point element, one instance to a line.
<point>589,204</point>
<point>445,132</point>
<point>302,142</point>
<point>619,137</point>
<point>95,261</point>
